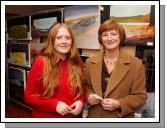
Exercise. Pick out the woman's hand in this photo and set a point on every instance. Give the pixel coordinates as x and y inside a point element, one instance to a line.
<point>62,108</point>
<point>110,104</point>
<point>94,99</point>
<point>76,107</point>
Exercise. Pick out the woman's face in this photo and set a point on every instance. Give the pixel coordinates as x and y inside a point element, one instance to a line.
<point>110,39</point>
<point>63,41</point>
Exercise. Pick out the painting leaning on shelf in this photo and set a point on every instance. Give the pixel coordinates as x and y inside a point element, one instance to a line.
<point>18,58</point>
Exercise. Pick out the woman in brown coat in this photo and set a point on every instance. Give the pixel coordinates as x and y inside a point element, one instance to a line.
<point>115,81</point>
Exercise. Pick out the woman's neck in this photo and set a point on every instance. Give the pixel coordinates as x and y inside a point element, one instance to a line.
<point>111,54</point>
<point>63,57</point>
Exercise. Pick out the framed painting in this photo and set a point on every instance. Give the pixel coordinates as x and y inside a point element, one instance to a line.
<point>42,21</point>
<point>136,19</point>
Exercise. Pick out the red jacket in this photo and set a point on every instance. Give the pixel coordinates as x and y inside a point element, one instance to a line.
<point>46,107</point>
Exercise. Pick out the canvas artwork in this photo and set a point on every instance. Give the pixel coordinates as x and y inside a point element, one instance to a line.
<point>17,76</point>
<point>136,21</point>
<point>84,21</point>
<point>18,58</point>
<point>41,26</point>
<point>18,31</point>
<point>44,24</point>
<point>18,54</point>
<point>17,83</point>
<point>19,28</point>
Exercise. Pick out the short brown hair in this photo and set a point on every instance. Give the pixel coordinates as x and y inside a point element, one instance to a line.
<point>112,25</point>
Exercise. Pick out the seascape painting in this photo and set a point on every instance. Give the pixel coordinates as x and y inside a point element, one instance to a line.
<point>84,21</point>
<point>136,21</point>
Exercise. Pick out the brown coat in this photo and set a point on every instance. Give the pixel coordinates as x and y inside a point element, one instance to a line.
<point>126,84</point>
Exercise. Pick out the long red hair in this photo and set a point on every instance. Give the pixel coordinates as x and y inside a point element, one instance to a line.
<point>51,67</point>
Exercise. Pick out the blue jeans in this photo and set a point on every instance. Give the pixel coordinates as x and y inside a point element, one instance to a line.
<point>148,110</point>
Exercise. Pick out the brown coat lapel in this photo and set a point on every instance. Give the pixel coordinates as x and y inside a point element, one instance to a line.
<point>117,75</point>
<point>95,72</point>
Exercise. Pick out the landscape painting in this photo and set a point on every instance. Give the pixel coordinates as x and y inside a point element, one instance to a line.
<point>84,21</point>
<point>41,26</point>
<point>136,21</point>
<point>44,24</point>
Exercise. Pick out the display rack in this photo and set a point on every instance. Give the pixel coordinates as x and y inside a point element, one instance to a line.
<point>25,37</point>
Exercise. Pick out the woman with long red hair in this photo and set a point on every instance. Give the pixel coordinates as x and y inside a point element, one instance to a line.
<point>55,83</point>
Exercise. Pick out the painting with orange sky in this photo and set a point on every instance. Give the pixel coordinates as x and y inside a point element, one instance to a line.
<point>136,21</point>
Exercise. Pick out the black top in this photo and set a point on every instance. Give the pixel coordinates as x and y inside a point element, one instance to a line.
<point>104,78</point>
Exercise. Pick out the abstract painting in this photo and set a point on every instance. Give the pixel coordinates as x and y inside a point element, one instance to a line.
<point>84,21</point>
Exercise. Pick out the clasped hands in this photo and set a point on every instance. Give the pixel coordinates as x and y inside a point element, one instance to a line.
<point>75,109</point>
<point>107,104</point>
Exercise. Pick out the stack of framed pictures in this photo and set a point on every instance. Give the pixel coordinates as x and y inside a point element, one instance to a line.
<point>17,82</point>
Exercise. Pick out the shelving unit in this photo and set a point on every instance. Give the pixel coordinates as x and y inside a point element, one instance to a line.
<point>21,50</point>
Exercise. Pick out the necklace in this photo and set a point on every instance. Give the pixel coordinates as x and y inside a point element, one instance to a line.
<point>109,61</point>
